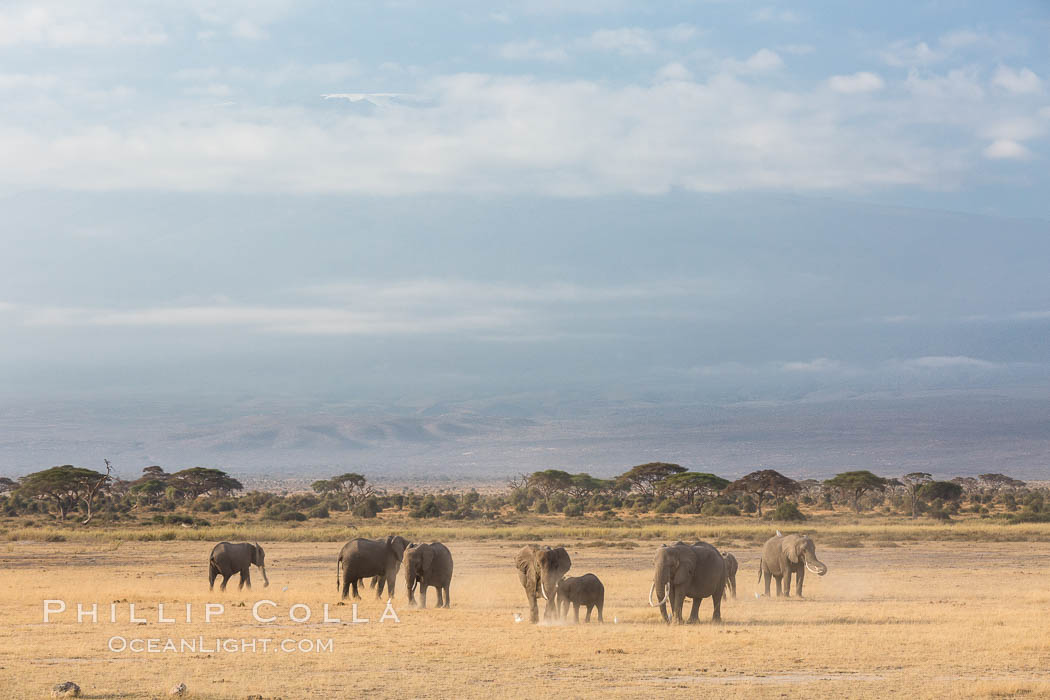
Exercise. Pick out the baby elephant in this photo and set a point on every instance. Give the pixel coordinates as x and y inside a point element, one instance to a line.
<point>584,590</point>
<point>731,568</point>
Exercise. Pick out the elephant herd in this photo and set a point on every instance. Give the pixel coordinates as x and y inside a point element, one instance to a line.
<point>426,566</point>
<point>681,571</point>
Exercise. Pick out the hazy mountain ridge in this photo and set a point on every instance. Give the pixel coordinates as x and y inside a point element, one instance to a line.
<point>948,434</point>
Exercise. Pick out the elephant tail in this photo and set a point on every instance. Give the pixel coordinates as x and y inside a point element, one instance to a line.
<point>761,565</point>
<point>338,569</point>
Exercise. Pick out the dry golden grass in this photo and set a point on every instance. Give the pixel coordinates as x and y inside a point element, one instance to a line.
<point>922,620</point>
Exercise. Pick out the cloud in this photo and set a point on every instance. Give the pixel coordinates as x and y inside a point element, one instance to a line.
<point>761,61</point>
<point>246,29</point>
<point>948,362</point>
<point>856,83</point>
<point>628,41</point>
<point>1022,81</point>
<point>674,71</point>
<point>820,364</point>
<point>411,307</point>
<point>774,14</point>
<point>1030,315</point>
<point>27,81</point>
<point>1006,149</point>
<point>72,24</point>
<point>532,50</point>
<point>484,133</point>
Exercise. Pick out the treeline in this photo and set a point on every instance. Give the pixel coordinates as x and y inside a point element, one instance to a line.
<point>188,496</point>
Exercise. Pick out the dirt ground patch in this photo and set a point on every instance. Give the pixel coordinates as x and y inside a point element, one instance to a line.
<point>934,619</point>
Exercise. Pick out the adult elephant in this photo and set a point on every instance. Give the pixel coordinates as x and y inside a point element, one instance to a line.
<point>228,559</point>
<point>428,565</point>
<point>784,555</point>
<point>539,570</point>
<point>361,558</point>
<point>683,571</point>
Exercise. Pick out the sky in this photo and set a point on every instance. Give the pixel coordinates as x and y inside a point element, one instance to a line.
<point>405,204</point>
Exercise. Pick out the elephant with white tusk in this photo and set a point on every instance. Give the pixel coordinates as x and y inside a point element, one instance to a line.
<point>784,555</point>
<point>683,571</point>
<point>539,570</point>
<point>228,559</point>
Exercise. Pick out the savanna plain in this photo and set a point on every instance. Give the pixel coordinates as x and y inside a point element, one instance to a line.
<point>952,610</point>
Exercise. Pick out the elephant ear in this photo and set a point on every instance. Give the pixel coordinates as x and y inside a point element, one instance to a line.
<point>257,554</point>
<point>561,561</point>
<point>428,556</point>
<point>795,550</point>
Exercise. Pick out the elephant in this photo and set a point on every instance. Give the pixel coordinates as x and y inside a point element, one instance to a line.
<point>361,558</point>
<point>539,570</point>
<point>428,565</point>
<point>586,590</point>
<point>783,555</point>
<point>227,559</point>
<point>731,568</point>
<point>683,571</point>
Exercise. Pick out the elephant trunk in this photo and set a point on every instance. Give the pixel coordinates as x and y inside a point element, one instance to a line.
<point>820,569</point>
<point>266,581</point>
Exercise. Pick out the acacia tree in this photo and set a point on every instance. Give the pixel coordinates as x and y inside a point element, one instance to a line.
<point>550,481</point>
<point>584,485</point>
<point>765,482</point>
<point>65,487</point>
<point>914,482</point>
<point>1000,482</point>
<point>197,481</point>
<point>352,488</point>
<point>696,486</point>
<point>856,483</point>
<point>645,477</point>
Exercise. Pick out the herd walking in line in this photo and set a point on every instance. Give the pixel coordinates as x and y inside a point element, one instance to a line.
<point>680,570</point>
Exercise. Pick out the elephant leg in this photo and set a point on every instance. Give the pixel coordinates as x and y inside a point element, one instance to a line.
<point>601,604</point>
<point>212,573</point>
<point>448,601</point>
<point>575,613</point>
<point>357,596</point>
<point>423,596</point>
<point>716,616</point>
<point>382,582</point>
<point>345,586</point>
<point>766,573</point>
<point>798,580</point>
<point>679,601</point>
<point>390,578</point>
<point>694,614</point>
<point>534,609</point>
<point>440,595</point>
<point>225,580</point>
<point>779,592</point>
<point>587,618</point>
<point>787,582</point>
